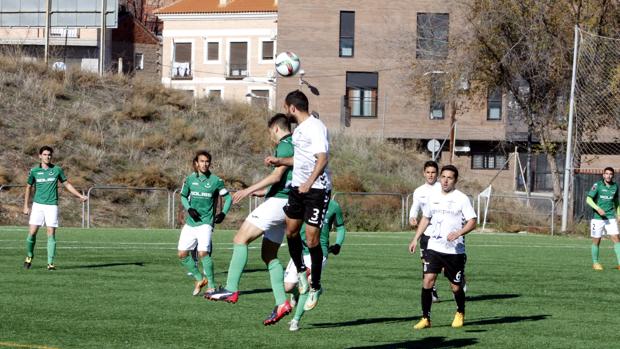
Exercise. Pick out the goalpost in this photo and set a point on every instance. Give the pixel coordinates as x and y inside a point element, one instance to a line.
<point>593,134</point>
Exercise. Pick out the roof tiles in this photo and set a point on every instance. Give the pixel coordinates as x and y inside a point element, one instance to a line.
<point>213,6</point>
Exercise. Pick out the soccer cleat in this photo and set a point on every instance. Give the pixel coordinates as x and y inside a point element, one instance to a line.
<point>423,323</point>
<point>302,282</point>
<point>459,318</point>
<point>223,295</point>
<point>597,266</point>
<point>51,267</point>
<point>278,313</point>
<point>293,325</point>
<point>313,299</point>
<point>198,285</point>
<point>28,263</point>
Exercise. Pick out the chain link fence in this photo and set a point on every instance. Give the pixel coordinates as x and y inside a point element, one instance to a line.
<point>515,213</point>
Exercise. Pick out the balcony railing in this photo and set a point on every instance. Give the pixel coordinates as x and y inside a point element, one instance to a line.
<point>181,71</point>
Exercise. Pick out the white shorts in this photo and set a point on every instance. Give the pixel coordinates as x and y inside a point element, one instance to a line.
<point>41,214</point>
<point>598,225</point>
<point>270,218</point>
<point>290,274</point>
<point>195,236</point>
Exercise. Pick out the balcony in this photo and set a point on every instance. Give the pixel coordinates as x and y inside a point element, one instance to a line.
<point>181,71</point>
<point>237,71</point>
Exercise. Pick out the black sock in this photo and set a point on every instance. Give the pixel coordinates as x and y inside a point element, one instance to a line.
<point>427,301</point>
<point>459,297</point>
<point>316,256</point>
<point>295,249</point>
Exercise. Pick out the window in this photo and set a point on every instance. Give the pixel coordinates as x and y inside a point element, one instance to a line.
<point>267,50</point>
<point>432,35</point>
<point>213,51</point>
<point>138,61</point>
<point>438,105</point>
<point>347,33</point>
<point>215,94</point>
<point>361,94</point>
<point>488,161</point>
<point>238,65</point>
<point>259,99</point>
<point>494,104</point>
<point>182,64</point>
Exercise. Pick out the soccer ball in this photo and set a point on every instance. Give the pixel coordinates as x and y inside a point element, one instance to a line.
<point>287,63</point>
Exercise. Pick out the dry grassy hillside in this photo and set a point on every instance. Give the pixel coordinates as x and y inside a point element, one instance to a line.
<point>115,130</point>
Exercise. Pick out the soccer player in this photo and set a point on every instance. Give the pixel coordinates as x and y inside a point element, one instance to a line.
<point>199,197</point>
<point>333,217</point>
<point>267,220</point>
<point>310,192</point>
<point>605,200</point>
<point>450,216</point>
<point>44,179</point>
<point>420,196</point>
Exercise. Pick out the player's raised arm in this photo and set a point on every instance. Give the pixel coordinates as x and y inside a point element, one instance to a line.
<point>272,178</point>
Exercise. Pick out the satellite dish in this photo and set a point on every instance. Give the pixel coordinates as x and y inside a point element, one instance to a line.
<point>433,145</point>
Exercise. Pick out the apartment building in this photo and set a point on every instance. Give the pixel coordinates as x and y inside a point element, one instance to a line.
<point>221,48</point>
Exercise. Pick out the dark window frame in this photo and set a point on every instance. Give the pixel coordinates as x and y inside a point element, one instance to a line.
<point>272,53</point>
<point>374,98</point>
<point>430,44</point>
<point>494,100</point>
<point>486,161</point>
<point>208,51</point>
<point>343,38</point>
<point>437,101</point>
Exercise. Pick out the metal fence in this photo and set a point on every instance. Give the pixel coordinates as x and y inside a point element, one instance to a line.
<point>151,207</point>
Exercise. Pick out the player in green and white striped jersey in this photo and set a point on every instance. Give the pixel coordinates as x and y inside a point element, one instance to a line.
<point>199,197</point>
<point>44,180</point>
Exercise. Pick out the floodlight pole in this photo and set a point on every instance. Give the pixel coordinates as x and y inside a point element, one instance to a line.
<point>47,30</point>
<point>102,38</point>
<point>568,164</point>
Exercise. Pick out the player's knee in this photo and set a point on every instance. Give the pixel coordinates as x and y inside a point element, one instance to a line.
<point>183,254</point>
<point>289,287</point>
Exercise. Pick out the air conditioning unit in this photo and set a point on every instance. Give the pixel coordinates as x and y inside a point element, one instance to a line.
<point>462,148</point>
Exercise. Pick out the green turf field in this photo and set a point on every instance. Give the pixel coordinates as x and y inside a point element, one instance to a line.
<point>125,289</point>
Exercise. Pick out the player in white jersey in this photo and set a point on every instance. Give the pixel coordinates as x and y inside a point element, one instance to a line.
<point>420,196</point>
<point>310,192</point>
<point>450,216</point>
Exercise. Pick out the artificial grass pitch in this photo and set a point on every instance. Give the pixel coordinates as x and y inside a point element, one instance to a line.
<point>125,288</point>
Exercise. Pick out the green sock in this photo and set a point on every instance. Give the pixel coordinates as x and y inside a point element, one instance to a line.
<point>276,274</point>
<point>51,249</point>
<point>207,265</point>
<point>30,241</point>
<point>299,310</point>
<point>237,262</point>
<point>617,249</point>
<point>188,263</point>
<point>594,253</point>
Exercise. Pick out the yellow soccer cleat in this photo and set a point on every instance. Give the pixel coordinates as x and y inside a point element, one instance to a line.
<point>459,318</point>
<point>423,323</point>
<point>597,266</point>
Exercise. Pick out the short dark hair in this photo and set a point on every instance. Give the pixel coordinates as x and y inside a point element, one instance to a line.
<point>451,168</point>
<point>203,153</point>
<point>431,163</point>
<point>297,99</point>
<point>280,120</point>
<point>609,169</point>
<point>44,148</point>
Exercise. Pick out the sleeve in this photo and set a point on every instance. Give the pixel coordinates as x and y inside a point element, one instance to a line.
<point>467,208</point>
<point>593,191</point>
<point>61,175</point>
<point>426,211</point>
<point>415,206</point>
<point>223,192</point>
<point>185,195</point>
<point>320,143</point>
<point>284,150</point>
<point>30,180</point>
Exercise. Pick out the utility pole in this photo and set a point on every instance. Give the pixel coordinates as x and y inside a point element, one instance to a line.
<point>47,30</point>
<point>102,38</point>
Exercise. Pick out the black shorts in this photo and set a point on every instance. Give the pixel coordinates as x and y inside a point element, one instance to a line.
<point>423,244</point>
<point>310,206</point>
<point>452,264</point>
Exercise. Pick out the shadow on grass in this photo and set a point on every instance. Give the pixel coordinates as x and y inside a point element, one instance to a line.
<point>104,265</point>
<point>255,291</point>
<point>429,342</point>
<point>488,297</point>
<point>506,320</point>
<point>365,321</point>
